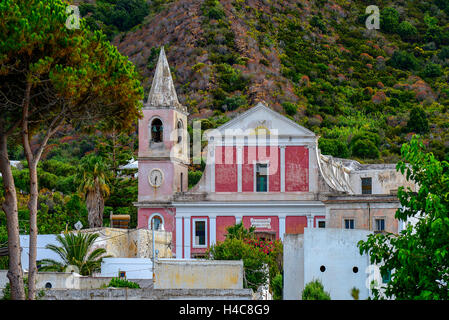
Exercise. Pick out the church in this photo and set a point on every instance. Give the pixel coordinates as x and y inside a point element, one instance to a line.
<point>262,169</point>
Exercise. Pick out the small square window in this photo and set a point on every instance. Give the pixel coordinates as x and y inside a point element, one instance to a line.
<point>262,177</point>
<point>199,233</point>
<point>321,224</point>
<point>367,186</point>
<point>387,277</point>
<point>349,223</point>
<point>379,224</point>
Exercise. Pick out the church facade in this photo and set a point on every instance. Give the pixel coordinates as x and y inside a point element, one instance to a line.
<point>262,169</point>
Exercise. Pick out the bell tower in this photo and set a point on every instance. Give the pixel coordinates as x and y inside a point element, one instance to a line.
<point>163,148</point>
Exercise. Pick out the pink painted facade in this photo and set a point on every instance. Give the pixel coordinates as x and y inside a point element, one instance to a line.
<point>295,224</point>
<point>222,223</point>
<point>225,169</point>
<point>296,168</point>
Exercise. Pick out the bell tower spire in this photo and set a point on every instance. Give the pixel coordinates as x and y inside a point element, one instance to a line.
<point>163,93</point>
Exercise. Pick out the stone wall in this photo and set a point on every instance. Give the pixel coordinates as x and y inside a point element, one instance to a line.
<point>132,243</point>
<point>148,294</point>
<point>198,274</point>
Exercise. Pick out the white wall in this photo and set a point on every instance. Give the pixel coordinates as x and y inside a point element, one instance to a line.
<point>293,266</point>
<point>337,250</point>
<point>42,253</point>
<point>135,268</point>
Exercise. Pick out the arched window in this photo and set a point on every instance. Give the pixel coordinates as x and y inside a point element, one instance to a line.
<point>157,130</point>
<point>156,221</point>
<point>179,127</point>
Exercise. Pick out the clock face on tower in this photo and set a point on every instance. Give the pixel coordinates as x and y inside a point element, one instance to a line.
<point>156,178</point>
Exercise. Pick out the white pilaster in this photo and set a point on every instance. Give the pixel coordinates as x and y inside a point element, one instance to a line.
<point>281,227</point>
<point>212,230</point>
<point>310,221</point>
<point>179,237</point>
<point>212,167</point>
<point>238,219</point>
<point>313,169</point>
<point>239,168</point>
<point>282,167</point>
<point>187,238</point>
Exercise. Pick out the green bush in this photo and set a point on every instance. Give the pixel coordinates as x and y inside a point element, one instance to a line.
<point>365,148</point>
<point>403,60</point>
<point>194,177</point>
<point>277,286</point>
<point>431,70</point>
<point>366,135</point>
<point>314,290</point>
<point>213,9</point>
<point>123,283</point>
<point>389,20</point>
<point>234,102</point>
<point>290,108</point>
<point>406,30</point>
<point>418,122</point>
<point>444,53</point>
<point>333,147</point>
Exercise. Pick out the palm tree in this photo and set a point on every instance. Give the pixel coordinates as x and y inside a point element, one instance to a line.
<point>75,250</point>
<point>93,181</point>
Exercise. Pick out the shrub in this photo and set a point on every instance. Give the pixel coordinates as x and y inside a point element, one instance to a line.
<point>314,290</point>
<point>403,60</point>
<point>444,53</point>
<point>123,283</point>
<point>290,108</point>
<point>365,148</point>
<point>194,177</point>
<point>418,122</point>
<point>367,135</point>
<point>355,293</point>
<point>277,286</point>
<point>389,19</point>
<point>333,147</point>
<point>213,9</point>
<point>406,30</point>
<point>432,70</point>
<point>234,102</point>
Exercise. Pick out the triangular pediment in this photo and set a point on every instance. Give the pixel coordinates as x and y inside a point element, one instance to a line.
<point>260,118</point>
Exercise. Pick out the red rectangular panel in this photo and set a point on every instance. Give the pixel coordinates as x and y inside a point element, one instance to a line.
<point>295,224</point>
<point>225,169</point>
<point>296,169</point>
<point>222,223</point>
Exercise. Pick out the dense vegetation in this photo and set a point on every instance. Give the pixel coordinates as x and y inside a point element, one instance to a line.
<point>365,92</point>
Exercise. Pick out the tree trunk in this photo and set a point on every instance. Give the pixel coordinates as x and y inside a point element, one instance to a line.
<point>32,202</point>
<point>95,207</point>
<point>15,273</point>
<point>32,206</point>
